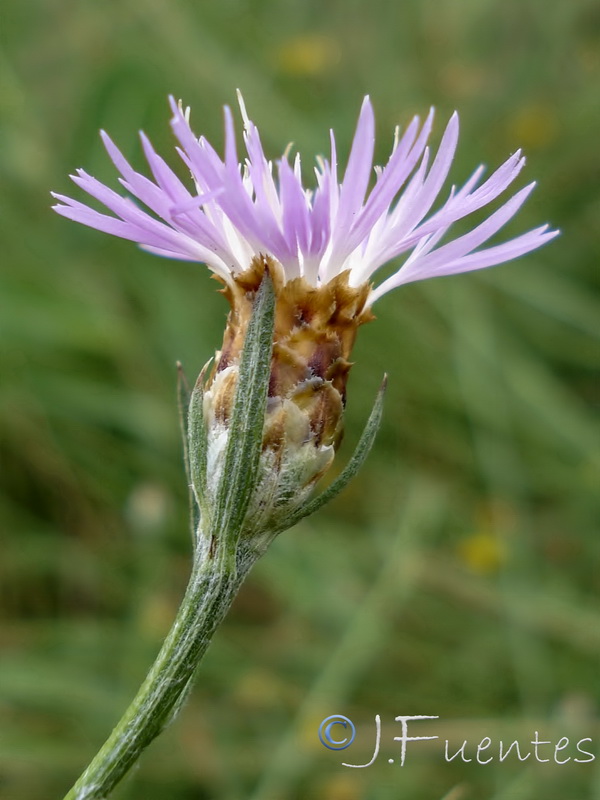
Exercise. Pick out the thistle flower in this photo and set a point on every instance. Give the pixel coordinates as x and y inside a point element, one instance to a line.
<point>321,247</point>
<point>297,268</point>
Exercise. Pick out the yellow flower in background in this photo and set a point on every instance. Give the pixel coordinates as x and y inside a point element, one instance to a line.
<point>536,126</point>
<point>308,55</point>
<point>483,552</point>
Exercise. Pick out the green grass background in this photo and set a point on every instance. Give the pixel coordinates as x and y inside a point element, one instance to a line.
<point>459,574</point>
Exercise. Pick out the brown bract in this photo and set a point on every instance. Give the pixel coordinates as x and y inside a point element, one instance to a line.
<point>315,330</point>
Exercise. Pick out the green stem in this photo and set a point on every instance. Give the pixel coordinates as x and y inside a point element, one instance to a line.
<point>215,580</point>
<point>222,555</point>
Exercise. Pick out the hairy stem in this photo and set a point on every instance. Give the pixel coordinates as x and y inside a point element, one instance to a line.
<point>222,555</point>
<point>215,580</point>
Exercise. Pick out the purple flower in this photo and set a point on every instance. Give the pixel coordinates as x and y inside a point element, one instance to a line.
<point>234,212</point>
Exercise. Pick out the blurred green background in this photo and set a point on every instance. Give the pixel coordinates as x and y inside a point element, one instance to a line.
<point>458,575</point>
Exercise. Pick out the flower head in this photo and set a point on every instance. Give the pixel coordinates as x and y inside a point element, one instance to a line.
<point>235,212</point>
<point>321,248</point>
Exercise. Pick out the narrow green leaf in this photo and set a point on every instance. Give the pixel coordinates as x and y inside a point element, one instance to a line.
<point>240,469</point>
<point>197,443</point>
<point>183,402</point>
